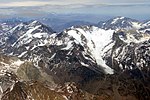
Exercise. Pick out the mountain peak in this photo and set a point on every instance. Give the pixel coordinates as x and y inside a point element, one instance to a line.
<point>32,33</point>
<point>116,19</point>
<point>34,23</point>
<point>120,22</point>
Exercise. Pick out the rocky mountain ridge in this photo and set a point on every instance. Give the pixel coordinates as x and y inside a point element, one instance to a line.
<point>85,55</point>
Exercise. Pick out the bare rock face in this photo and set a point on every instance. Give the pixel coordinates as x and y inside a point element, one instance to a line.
<point>30,91</point>
<point>38,91</point>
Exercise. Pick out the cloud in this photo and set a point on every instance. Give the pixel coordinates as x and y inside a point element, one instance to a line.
<point>23,3</point>
<point>28,3</point>
<point>35,3</point>
<point>35,8</point>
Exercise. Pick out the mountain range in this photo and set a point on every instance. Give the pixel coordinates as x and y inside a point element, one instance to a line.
<point>84,61</point>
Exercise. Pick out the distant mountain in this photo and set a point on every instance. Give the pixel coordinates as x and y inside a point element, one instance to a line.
<point>14,20</point>
<point>59,25</point>
<point>120,23</point>
<point>6,24</point>
<point>72,23</point>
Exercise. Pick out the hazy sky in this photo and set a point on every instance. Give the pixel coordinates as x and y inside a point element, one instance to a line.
<point>135,8</point>
<point>16,3</point>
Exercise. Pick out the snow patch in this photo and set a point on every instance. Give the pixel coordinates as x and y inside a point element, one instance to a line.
<point>136,25</point>
<point>23,53</point>
<point>53,56</point>
<point>69,45</point>
<point>115,20</point>
<point>121,17</point>
<point>98,42</point>
<point>82,63</point>
<point>40,35</point>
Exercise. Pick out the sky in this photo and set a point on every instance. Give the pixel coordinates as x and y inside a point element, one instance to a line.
<point>16,3</point>
<point>133,8</point>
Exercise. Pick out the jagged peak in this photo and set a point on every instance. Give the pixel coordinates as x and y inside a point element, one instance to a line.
<point>25,26</point>
<point>124,18</point>
<point>88,28</point>
<point>120,22</point>
<point>34,23</point>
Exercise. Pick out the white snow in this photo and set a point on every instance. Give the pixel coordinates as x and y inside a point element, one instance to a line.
<point>97,41</point>
<point>34,22</point>
<point>33,47</point>
<point>69,45</point>
<point>136,25</point>
<point>147,23</point>
<point>17,27</point>
<point>131,38</point>
<point>82,63</point>
<point>32,29</point>
<point>27,47</point>
<point>115,20</point>
<point>144,31</point>
<point>23,53</point>
<point>11,88</point>
<point>122,22</point>
<point>104,23</point>
<point>121,17</point>
<point>53,56</point>
<point>75,35</point>
<point>40,35</point>
<point>26,38</point>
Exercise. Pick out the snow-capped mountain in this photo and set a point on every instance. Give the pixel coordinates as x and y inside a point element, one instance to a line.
<point>87,40</point>
<point>90,38</point>
<point>87,48</point>
<point>120,23</point>
<point>80,54</point>
<point>92,44</point>
<point>25,35</point>
<point>129,53</point>
<point>66,55</point>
